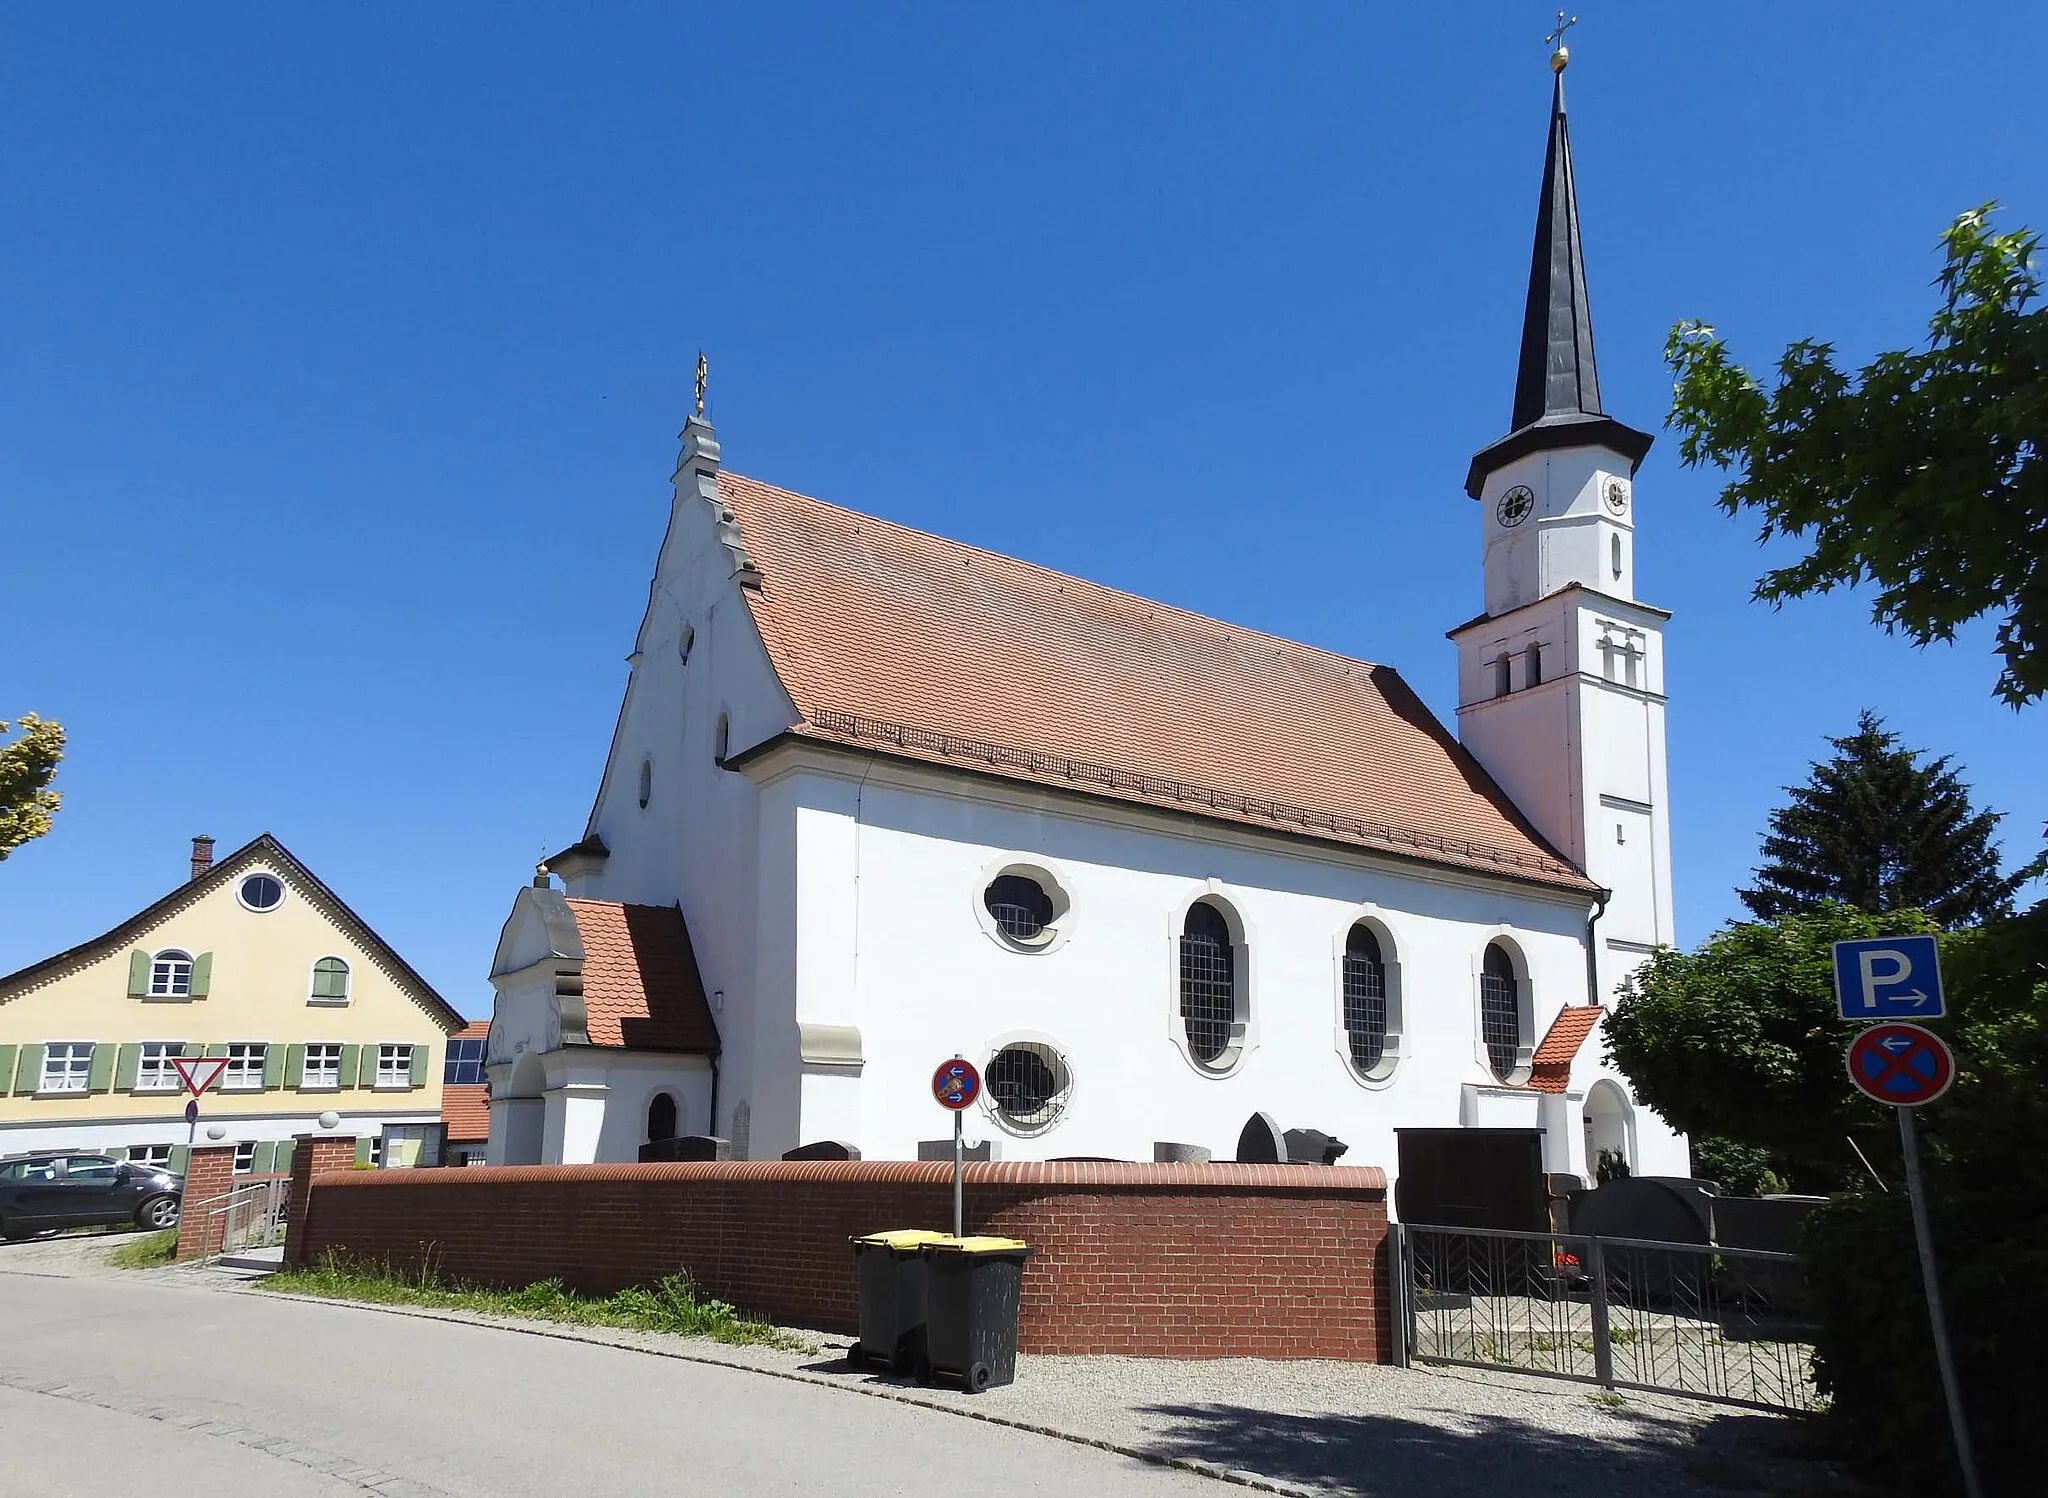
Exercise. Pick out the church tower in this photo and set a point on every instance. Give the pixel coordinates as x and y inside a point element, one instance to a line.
<point>1561,679</point>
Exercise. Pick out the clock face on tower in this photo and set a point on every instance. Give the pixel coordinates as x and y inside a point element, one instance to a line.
<point>1617,496</point>
<point>1515,505</point>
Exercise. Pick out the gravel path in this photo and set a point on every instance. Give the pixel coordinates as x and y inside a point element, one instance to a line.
<point>1299,1427</point>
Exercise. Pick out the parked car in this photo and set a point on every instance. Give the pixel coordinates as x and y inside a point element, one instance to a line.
<point>53,1189</point>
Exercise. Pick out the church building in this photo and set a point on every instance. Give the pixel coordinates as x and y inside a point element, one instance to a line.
<point>876,799</point>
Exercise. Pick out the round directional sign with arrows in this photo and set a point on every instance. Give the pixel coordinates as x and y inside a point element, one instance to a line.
<point>1902,1065</point>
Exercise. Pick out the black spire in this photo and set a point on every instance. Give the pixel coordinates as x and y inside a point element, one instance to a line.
<point>1557,388</point>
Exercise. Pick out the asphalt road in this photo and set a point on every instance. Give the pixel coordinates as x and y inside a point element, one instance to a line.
<point>110,1387</point>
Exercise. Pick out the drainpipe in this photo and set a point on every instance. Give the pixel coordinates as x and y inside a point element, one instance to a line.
<point>1601,897</point>
<point>712,1127</point>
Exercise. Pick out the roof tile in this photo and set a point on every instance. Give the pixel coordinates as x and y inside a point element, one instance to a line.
<point>641,988</point>
<point>1550,1068</point>
<point>938,651</point>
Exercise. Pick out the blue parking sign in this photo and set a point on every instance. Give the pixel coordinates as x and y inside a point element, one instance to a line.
<point>1888,977</point>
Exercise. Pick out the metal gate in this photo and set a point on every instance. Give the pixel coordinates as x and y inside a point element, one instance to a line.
<point>1682,1318</point>
<point>255,1213</point>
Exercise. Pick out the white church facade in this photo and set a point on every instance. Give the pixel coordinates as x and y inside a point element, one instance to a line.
<point>876,798</point>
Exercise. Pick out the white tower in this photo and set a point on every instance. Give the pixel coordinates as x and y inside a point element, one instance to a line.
<point>1561,680</point>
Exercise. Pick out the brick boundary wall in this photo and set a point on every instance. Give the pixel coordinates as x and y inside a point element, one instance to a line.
<point>209,1173</point>
<point>1203,1261</point>
<point>312,1154</point>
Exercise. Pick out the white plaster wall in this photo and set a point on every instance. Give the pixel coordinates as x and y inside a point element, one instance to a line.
<point>888,939</point>
<point>1567,537</point>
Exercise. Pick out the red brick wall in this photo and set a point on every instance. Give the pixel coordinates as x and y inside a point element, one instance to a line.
<point>1278,1261</point>
<point>312,1154</point>
<point>202,1220</point>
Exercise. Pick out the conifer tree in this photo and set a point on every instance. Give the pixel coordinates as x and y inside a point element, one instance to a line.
<point>1875,828</point>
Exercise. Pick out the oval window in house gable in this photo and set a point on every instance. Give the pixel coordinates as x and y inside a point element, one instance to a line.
<point>261,892</point>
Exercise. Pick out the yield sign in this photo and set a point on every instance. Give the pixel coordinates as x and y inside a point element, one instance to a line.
<point>1902,1065</point>
<point>199,1072</point>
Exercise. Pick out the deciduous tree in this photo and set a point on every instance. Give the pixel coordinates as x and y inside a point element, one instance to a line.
<point>27,766</point>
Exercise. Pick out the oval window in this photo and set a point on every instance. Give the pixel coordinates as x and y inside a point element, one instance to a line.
<point>1028,1082</point>
<point>1020,906</point>
<point>262,892</point>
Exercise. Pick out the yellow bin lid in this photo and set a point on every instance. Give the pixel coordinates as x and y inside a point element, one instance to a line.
<point>901,1238</point>
<point>951,1245</point>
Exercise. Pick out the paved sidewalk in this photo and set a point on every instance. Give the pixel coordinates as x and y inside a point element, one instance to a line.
<point>1317,1427</point>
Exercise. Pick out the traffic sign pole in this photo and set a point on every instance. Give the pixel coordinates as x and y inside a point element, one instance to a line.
<point>956,1084</point>
<point>1944,1358</point>
<point>959,1173</point>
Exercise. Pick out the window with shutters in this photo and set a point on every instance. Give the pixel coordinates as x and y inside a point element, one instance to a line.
<point>394,1066</point>
<point>330,981</point>
<point>1365,998</point>
<point>170,975</point>
<point>153,1069</point>
<point>245,1067</point>
<point>67,1067</point>
<point>1212,1014</point>
<point>322,1066</point>
<point>1500,1010</point>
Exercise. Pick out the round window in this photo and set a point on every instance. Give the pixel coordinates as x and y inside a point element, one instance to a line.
<point>1028,1083</point>
<point>262,892</point>
<point>1020,906</point>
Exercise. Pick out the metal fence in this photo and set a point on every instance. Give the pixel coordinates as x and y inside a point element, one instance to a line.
<point>1714,1323</point>
<point>255,1212</point>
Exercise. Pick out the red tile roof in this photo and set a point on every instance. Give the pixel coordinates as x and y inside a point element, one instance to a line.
<point>466,1109</point>
<point>1550,1069</point>
<point>476,1029</point>
<point>921,647</point>
<point>641,989</point>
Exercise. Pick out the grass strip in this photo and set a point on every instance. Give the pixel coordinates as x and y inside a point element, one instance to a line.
<point>674,1305</point>
<point>151,1251</point>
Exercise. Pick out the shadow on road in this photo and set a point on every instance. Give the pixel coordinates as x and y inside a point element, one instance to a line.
<point>1452,1454</point>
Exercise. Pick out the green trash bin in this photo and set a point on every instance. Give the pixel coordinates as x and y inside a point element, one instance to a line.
<point>973,1289</point>
<point>891,1274</point>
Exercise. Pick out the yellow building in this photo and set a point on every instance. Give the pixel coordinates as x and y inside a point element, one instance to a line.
<point>323,1027</point>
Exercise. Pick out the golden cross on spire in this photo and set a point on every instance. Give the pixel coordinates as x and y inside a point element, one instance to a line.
<point>1562,54</point>
<point>703,379</point>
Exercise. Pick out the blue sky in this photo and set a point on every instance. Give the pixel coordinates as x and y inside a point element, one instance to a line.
<point>342,350</point>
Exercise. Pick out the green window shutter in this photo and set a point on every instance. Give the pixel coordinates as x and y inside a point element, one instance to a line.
<point>420,1057</point>
<point>6,1069</point>
<point>294,1065</point>
<point>128,1068</point>
<point>28,1071</point>
<point>218,1048</point>
<point>273,1066</point>
<point>265,1160</point>
<point>180,1158</point>
<point>363,1150</point>
<point>194,1048</point>
<point>351,1058</point>
<point>138,974</point>
<point>100,1076</point>
<point>284,1154</point>
<point>202,974</point>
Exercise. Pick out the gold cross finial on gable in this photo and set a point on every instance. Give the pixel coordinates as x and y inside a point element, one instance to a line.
<point>1562,54</point>
<point>703,379</point>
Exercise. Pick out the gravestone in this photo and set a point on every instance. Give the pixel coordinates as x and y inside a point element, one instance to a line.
<point>942,1149</point>
<point>1313,1147</point>
<point>823,1149</point>
<point>685,1147</point>
<point>1261,1142</point>
<point>1165,1152</point>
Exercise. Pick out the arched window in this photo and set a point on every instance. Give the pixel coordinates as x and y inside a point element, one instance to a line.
<point>1535,665</point>
<point>170,975</point>
<point>1614,550</point>
<point>1500,1010</point>
<point>330,981</point>
<point>1503,679</point>
<point>1208,983</point>
<point>661,1117</point>
<point>646,782</point>
<point>1365,997</point>
<point>721,741</point>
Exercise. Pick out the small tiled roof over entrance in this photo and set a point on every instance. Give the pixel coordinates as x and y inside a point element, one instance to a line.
<point>641,989</point>
<point>466,1106</point>
<point>908,644</point>
<point>1550,1069</point>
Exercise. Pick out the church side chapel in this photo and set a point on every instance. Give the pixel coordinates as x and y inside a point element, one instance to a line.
<point>876,798</point>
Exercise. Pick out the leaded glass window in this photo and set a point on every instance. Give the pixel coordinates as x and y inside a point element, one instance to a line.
<point>1208,983</point>
<point>1500,1010</point>
<point>1365,998</point>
